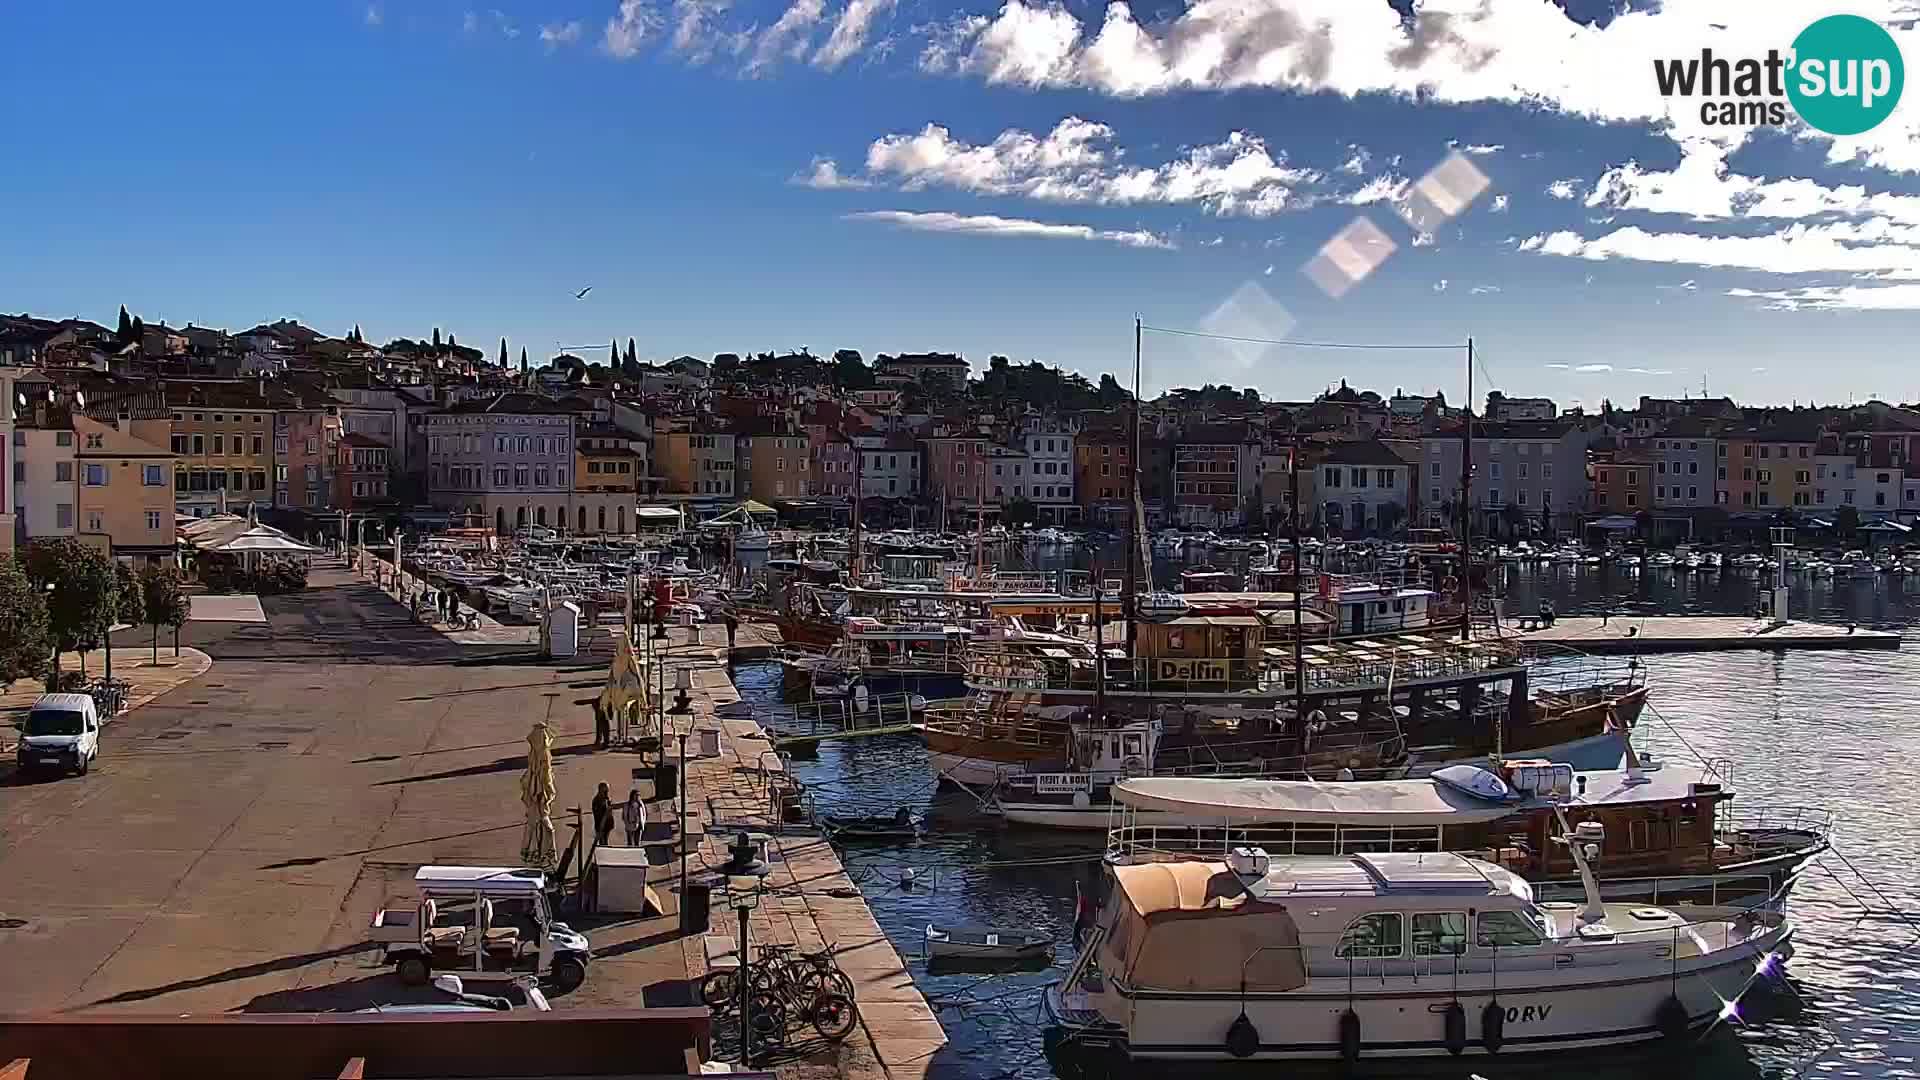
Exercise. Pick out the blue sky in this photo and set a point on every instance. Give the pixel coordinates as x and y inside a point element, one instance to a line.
<point>1018,180</point>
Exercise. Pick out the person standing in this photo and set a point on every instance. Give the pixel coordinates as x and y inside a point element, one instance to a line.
<point>602,816</point>
<point>602,727</point>
<point>634,816</point>
<point>733,627</point>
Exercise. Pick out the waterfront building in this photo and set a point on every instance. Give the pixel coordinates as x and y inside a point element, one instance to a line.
<point>505,460</point>
<point>1362,488</point>
<point>222,442</point>
<point>125,467</point>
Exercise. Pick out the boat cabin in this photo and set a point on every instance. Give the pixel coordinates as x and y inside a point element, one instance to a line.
<point>873,646</point>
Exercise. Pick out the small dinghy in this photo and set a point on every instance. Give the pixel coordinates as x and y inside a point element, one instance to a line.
<point>977,943</point>
<point>901,825</point>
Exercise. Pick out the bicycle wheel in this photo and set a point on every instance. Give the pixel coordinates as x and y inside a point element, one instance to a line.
<point>720,990</point>
<point>768,1023</point>
<point>833,1016</point>
<point>829,981</point>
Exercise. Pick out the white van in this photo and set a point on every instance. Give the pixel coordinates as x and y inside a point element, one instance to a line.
<point>62,731</point>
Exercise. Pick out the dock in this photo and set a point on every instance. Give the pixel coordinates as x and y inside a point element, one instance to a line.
<point>1696,633</point>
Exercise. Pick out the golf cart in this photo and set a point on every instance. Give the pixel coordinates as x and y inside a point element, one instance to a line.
<point>485,923</point>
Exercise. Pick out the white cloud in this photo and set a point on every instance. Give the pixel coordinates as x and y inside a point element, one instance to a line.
<point>1873,246</point>
<point>504,24</point>
<point>373,16</point>
<point>1268,272</point>
<point>1215,242</point>
<point>824,175</point>
<point>470,23</point>
<point>554,35</point>
<point>849,32</point>
<point>1701,187</point>
<point>1564,189</point>
<point>1440,286</point>
<point>990,225</point>
<point>627,29</point>
<point>1477,149</point>
<point>1904,297</point>
<point>1452,52</point>
<point>1077,162</point>
<point>1385,188</point>
<point>1646,371</point>
<point>1559,367</point>
<point>1592,369</point>
<point>788,35</point>
<point>1499,205</point>
<point>1357,158</point>
<point>1480,289</point>
<point>694,35</point>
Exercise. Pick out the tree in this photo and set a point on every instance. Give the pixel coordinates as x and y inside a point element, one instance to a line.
<point>726,365</point>
<point>125,332</point>
<point>1845,520</point>
<point>355,336</point>
<point>1111,393</point>
<point>139,330</point>
<point>503,354</point>
<point>23,625</point>
<point>436,339</point>
<point>633,358</point>
<point>850,370</point>
<point>939,386</point>
<point>451,344</point>
<point>162,601</point>
<point>1021,511</point>
<point>613,355</point>
<point>523,359</point>
<point>1513,517</point>
<point>129,602</point>
<point>80,605</point>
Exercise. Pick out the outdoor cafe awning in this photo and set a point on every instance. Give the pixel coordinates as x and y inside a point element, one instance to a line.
<point>1886,525</point>
<point>656,513</point>
<point>264,538</point>
<point>754,506</point>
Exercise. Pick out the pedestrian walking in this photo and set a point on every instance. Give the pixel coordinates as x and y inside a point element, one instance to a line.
<point>733,627</point>
<point>634,816</point>
<point>602,816</point>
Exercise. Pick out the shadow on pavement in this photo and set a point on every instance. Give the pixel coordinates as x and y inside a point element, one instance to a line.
<point>505,764</point>
<point>245,971</point>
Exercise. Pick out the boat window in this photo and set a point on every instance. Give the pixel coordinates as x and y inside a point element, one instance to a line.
<point>1133,744</point>
<point>1504,930</point>
<point>1440,933</point>
<point>1377,935</point>
<point>1114,749</point>
<point>1637,835</point>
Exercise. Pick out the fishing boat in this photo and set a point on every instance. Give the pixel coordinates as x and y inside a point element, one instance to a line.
<point>1390,954</point>
<point>980,943</point>
<point>924,659</point>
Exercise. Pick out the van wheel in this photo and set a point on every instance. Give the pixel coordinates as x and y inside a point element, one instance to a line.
<point>568,974</point>
<point>412,971</point>
<point>86,761</point>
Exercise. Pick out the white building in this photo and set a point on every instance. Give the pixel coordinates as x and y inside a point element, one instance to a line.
<point>1363,488</point>
<point>889,466</point>
<point>1049,446</point>
<point>1684,464</point>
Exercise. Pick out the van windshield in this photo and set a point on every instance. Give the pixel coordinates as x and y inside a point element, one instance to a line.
<point>54,722</point>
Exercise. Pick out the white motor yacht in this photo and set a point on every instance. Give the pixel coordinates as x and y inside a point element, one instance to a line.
<point>1396,955</point>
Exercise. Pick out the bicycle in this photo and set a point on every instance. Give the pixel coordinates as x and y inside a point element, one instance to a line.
<point>810,986</point>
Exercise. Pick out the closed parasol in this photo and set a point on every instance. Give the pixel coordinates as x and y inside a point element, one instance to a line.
<point>537,794</point>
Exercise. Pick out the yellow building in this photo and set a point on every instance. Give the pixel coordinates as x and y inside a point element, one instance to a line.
<point>607,476</point>
<point>125,474</point>
<point>223,443</point>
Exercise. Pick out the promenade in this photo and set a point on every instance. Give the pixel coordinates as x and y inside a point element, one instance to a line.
<point>240,830</point>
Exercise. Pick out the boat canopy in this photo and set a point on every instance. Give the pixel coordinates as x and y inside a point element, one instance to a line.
<point>1395,802</point>
<point>1191,926</point>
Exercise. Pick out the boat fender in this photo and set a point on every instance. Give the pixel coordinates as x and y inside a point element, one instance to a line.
<point>1243,1039</point>
<point>1456,1029</point>
<point>1081,800</point>
<point>1672,1019</point>
<point>1349,1036</point>
<point>1493,1026</point>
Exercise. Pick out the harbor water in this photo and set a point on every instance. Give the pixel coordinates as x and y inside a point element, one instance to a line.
<point>1832,730</point>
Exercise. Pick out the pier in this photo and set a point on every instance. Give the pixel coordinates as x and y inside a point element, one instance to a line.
<point>1696,633</point>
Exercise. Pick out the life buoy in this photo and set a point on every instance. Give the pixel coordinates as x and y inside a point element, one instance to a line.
<point>1493,1027</point>
<point>1081,800</point>
<point>1456,1029</point>
<point>1243,1039</point>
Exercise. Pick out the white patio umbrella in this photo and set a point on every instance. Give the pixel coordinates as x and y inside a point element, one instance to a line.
<point>264,538</point>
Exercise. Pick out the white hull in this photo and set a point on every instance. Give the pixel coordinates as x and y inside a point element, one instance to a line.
<point>1091,819</point>
<point>1402,1016</point>
<point>974,772</point>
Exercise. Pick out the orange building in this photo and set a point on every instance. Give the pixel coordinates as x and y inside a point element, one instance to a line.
<point>1622,486</point>
<point>1763,470</point>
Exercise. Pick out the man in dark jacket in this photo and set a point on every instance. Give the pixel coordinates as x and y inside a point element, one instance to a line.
<point>602,816</point>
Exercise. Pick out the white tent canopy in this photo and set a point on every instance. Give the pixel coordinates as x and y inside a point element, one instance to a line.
<point>263,538</point>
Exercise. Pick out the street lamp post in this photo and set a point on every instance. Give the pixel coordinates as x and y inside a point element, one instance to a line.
<point>744,872</point>
<point>682,707</point>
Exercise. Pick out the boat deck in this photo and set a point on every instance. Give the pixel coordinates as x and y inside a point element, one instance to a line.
<point>1696,633</point>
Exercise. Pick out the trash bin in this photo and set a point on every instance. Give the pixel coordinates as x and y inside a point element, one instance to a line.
<point>666,781</point>
<point>695,907</point>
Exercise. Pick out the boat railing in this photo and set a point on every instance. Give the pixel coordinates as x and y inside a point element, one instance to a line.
<point>1766,819</point>
<point>1705,889</point>
<point>1129,842</point>
<point>1270,673</point>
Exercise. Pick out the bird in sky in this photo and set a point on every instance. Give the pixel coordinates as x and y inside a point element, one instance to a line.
<point>582,294</point>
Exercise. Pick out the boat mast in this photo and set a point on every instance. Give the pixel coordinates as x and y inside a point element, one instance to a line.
<point>1299,578</point>
<point>1099,652</point>
<point>1129,604</point>
<point>1466,508</point>
<point>858,484</point>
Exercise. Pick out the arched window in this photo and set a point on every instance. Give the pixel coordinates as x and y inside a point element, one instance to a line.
<point>583,519</point>
<point>603,518</point>
<point>500,520</point>
<point>620,515</point>
<point>520,516</point>
<point>539,515</point>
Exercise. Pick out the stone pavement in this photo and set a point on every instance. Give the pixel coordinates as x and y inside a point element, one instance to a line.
<point>808,900</point>
<point>135,665</point>
<point>240,831</point>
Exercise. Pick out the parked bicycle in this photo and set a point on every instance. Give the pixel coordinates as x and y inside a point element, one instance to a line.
<point>109,695</point>
<point>787,988</point>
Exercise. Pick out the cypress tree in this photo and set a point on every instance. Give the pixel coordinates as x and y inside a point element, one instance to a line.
<point>436,339</point>
<point>503,354</point>
<point>523,359</point>
<point>125,331</point>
